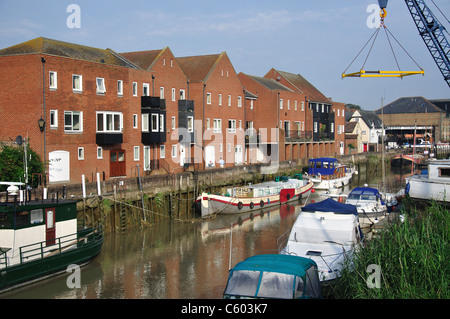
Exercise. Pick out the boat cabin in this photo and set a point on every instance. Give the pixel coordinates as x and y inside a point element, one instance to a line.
<point>26,227</point>
<point>363,194</point>
<point>274,276</point>
<point>326,167</point>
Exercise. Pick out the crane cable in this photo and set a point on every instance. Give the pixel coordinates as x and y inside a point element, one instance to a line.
<point>383,14</point>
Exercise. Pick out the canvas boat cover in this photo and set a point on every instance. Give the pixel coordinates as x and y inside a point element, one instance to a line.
<point>330,205</point>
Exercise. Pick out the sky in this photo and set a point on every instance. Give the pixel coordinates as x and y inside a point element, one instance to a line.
<point>317,39</point>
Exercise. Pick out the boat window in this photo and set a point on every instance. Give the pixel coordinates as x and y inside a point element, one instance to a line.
<point>368,197</point>
<point>36,216</point>
<point>313,253</point>
<point>353,196</point>
<point>444,172</point>
<point>267,192</point>
<point>4,220</point>
<point>243,283</point>
<point>21,219</point>
<point>276,285</point>
<point>261,192</point>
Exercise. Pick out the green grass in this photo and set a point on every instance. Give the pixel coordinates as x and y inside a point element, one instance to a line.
<point>413,257</point>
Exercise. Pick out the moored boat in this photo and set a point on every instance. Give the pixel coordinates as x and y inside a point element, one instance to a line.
<point>432,184</point>
<point>327,232</point>
<point>369,204</point>
<point>41,238</point>
<point>407,159</point>
<point>328,173</point>
<point>273,276</point>
<point>253,197</point>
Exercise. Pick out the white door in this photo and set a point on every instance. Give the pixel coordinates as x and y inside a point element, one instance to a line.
<point>210,157</point>
<point>341,148</point>
<point>238,154</point>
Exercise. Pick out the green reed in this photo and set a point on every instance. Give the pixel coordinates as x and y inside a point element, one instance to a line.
<point>413,259</point>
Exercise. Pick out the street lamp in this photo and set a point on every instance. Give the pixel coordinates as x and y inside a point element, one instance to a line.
<point>41,124</point>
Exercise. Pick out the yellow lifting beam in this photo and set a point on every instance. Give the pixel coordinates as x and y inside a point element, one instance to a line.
<point>378,74</point>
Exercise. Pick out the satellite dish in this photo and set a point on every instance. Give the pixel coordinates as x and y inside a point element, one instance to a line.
<point>19,140</point>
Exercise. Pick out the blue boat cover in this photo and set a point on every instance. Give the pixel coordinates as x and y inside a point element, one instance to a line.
<point>330,205</point>
<point>287,264</point>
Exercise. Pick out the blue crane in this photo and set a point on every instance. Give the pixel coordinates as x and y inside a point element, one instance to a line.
<point>432,33</point>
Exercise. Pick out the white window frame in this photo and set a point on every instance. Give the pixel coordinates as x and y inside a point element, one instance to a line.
<point>99,152</point>
<point>174,95</point>
<point>154,122</point>
<point>109,117</point>
<point>220,99</point>
<point>174,151</point>
<point>190,124</point>
<point>80,153</point>
<point>145,89</point>
<point>69,128</point>
<point>162,151</point>
<point>74,87</point>
<point>239,101</point>
<point>161,122</point>
<point>315,127</point>
<point>182,94</point>
<point>119,88</point>
<point>229,100</point>
<point>136,153</point>
<point>303,105</point>
<point>54,119</point>
<point>161,92</point>
<point>208,98</point>
<point>208,123</point>
<point>231,126</point>
<point>53,75</point>
<point>145,122</point>
<point>135,121</point>
<point>174,123</point>
<point>217,125</point>
<point>281,104</point>
<point>100,85</point>
<point>134,88</point>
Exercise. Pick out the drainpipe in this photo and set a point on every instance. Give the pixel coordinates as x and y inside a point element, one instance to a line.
<point>45,120</point>
<point>203,128</point>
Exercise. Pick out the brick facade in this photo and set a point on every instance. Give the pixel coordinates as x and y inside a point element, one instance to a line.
<point>90,131</point>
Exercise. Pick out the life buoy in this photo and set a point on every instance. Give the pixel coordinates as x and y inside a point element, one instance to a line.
<point>261,203</point>
<point>240,205</point>
<point>252,205</point>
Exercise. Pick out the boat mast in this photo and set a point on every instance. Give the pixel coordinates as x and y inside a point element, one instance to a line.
<point>382,149</point>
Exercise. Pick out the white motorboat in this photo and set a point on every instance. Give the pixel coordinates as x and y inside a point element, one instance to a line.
<point>369,203</point>
<point>327,232</point>
<point>432,184</point>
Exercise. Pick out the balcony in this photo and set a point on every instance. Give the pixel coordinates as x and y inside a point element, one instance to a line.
<point>296,136</point>
<point>109,138</point>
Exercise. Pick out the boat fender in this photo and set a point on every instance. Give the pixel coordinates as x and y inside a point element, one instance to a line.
<point>240,205</point>
<point>261,203</point>
<point>407,188</point>
<point>288,196</point>
<point>252,205</point>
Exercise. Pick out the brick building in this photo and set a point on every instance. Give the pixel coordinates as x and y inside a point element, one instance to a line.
<point>407,116</point>
<point>91,107</point>
<point>114,113</point>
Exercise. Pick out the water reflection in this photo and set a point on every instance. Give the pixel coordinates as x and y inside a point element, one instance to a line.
<point>175,260</point>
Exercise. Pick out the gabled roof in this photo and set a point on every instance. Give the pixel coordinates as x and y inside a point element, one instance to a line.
<point>370,118</point>
<point>69,50</point>
<point>350,127</point>
<point>269,83</point>
<point>198,68</point>
<point>415,104</point>
<point>144,59</point>
<point>305,87</point>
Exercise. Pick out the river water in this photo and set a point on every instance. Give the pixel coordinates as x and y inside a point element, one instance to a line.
<point>180,260</point>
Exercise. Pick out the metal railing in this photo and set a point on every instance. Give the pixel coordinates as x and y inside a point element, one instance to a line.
<point>58,245</point>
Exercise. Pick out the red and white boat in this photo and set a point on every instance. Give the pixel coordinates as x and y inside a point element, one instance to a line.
<point>254,197</point>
